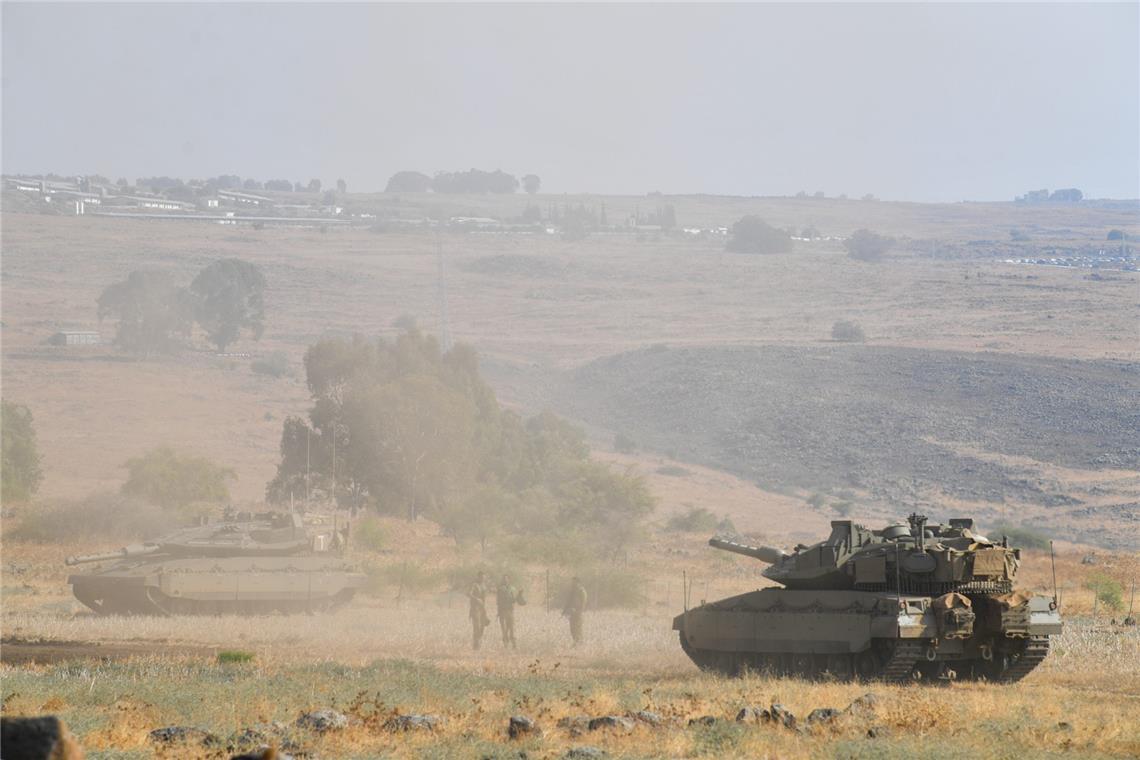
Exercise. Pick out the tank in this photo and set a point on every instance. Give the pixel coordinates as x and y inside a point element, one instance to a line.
<point>251,563</point>
<point>909,601</point>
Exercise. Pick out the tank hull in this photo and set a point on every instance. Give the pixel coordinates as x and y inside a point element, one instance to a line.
<point>198,586</point>
<point>869,635</point>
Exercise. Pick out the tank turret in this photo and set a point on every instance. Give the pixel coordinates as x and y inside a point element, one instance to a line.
<point>913,598</point>
<point>913,558</point>
<point>247,562</point>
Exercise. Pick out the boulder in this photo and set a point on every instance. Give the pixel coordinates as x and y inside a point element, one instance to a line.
<point>522,727</point>
<point>35,738</point>
<point>752,715</point>
<point>321,721</point>
<point>782,715</point>
<point>610,721</point>
<point>822,715</point>
<point>413,723</point>
<point>864,705</point>
<point>184,735</point>
<point>647,717</point>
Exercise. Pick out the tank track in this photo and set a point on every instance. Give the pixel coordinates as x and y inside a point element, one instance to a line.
<point>891,661</point>
<point>902,660</point>
<point>1022,663</point>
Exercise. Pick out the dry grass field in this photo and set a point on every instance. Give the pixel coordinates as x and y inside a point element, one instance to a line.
<point>538,308</point>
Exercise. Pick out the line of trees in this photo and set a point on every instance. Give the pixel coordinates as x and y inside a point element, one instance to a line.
<point>405,429</point>
<point>155,315</point>
<point>175,187</point>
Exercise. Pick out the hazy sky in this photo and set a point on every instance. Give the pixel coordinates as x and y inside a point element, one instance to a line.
<point>920,102</point>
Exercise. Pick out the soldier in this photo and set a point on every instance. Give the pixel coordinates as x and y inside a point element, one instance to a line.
<point>575,606</point>
<point>477,595</point>
<point>506,597</point>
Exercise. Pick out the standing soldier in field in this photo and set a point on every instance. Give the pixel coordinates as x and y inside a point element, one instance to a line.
<point>477,595</point>
<point>575,607</point>
<point>506,597</point>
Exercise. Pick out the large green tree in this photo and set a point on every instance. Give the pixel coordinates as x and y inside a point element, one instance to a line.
<point>229,297</point>
<point>21,475</point>
<point>406,429</point>
<point>153,312</point>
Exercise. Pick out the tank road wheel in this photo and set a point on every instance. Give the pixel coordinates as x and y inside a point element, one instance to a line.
<point>867,665</point>
<point>1012,662</point>
<point>803,666</point>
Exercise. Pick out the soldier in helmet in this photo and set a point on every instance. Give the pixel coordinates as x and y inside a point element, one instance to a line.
<point>506,597</point>
<point>477,596</point>
<point>574,609</point>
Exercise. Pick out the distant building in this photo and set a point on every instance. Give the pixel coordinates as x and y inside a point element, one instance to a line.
<point>75,338</point>
<point>244,199</point>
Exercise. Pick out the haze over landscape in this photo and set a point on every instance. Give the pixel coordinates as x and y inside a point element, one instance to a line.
<point>569,381</point>
<point>924,102</point>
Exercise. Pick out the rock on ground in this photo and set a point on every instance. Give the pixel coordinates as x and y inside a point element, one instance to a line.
<point>521,727</point>
<point>321,721</point>
<point>413,723</point>
<point>41,738</point>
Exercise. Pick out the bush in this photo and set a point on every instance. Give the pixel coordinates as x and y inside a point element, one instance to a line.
<point>847,332</point>
<point>175,481</point>
<point>1109,591</point>
<point>1115,235</point>
<point>867,246</point>
<point>369,533</point>
<point>99,516</point>
<point>753,235</point>
<point>234,657</point>
<point>696,520</point>
<point>275,364</point>
<point>726,526</point>
<point>816,500</point>
<point>21,475</point>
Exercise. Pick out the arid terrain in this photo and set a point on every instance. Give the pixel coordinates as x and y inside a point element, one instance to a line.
<point>1006,391</point>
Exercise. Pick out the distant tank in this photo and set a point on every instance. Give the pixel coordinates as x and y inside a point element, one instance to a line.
<point>908,601</point>
<point>247,563</point>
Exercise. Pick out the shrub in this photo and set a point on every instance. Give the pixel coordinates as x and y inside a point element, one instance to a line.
<point>696,520</point>
<point>21,474</point>
<point>369,533</point>
<point>816,500</point>
<point>275,364</point>
<point>174,480</point>
<point>234,657</point>
<point>867,246</point>
<point>753,235</point>
<point>1115,235</point>
<point>1109,591</point>
<point>847,332</point>
<point>842,508</point>
<point>99,516</point>
<point>726,525</point>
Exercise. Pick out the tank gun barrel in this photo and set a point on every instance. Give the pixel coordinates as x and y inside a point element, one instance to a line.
<point>133,550</point>
<point>763,553</point>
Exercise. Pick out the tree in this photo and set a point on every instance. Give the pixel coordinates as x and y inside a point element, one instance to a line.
<point>341,186</point>
<point>753,235</point>
<point>867,246</point>
<point>1067,195</point>
<point>314,186</point>
<point>230,297</point>
<point>21,476</point>
<point>408,182</point>
<point>1115,235</point>
<point>531,183</point>
<point>279,185</point>
<point>251,184</point>
<point>418,433</point>
<point>151,310</point>
<point>474,181</point>
<point>173,480</point>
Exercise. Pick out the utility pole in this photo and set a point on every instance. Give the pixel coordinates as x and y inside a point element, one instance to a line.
<point>441,288</point>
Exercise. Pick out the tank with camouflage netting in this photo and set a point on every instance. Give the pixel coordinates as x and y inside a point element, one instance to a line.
<point>908,601</point>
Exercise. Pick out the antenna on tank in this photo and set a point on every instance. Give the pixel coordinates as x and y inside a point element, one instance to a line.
<point>1053,564</point>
